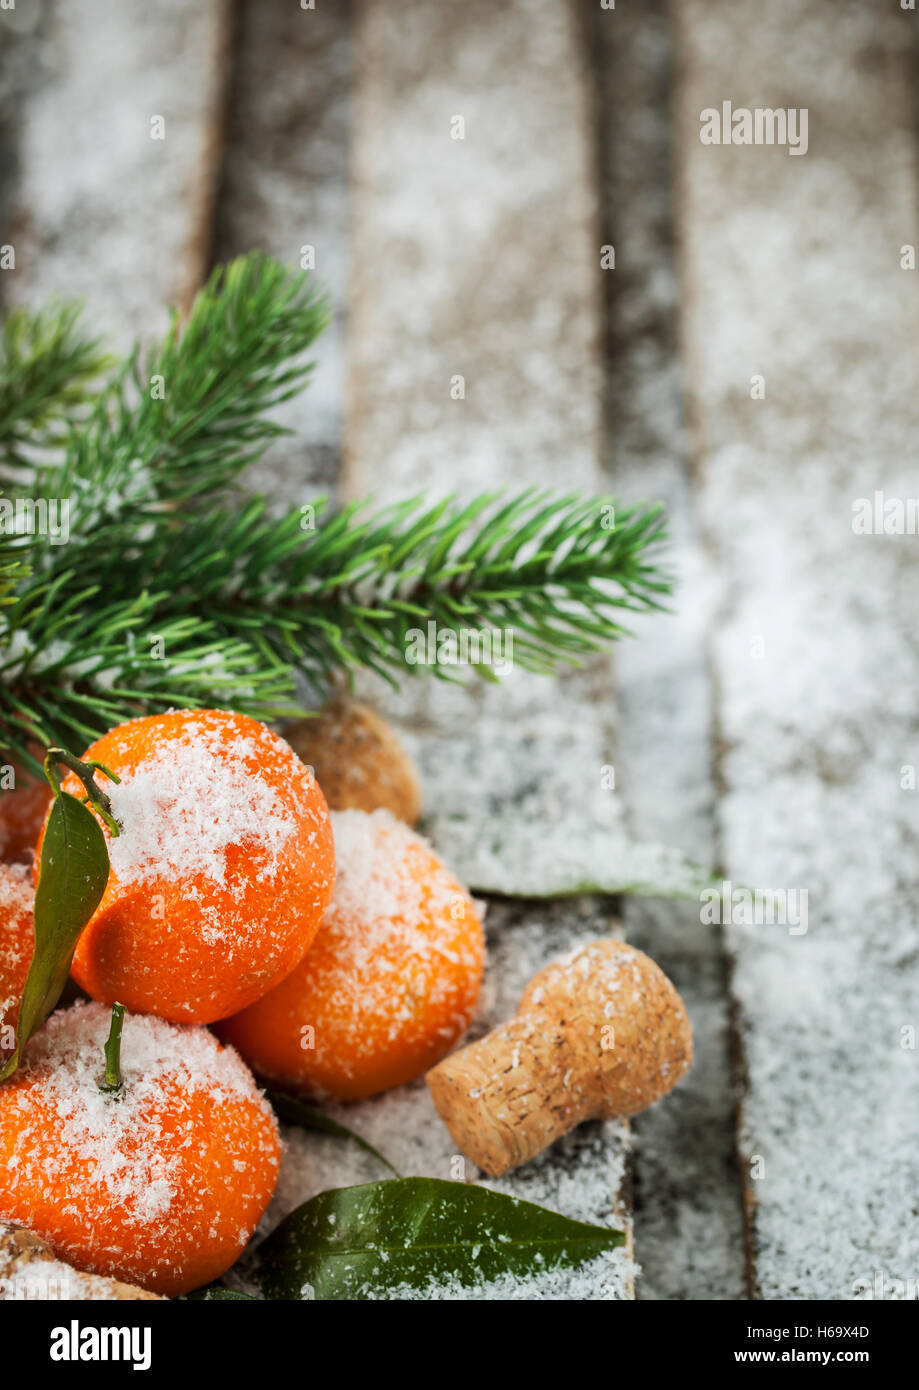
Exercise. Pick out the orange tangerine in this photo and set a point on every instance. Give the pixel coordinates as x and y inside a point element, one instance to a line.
<point>221,873</point>
<point>22,813</point>
<point>16,944</point>
<point>160,1185</point>
<point>391,981</point>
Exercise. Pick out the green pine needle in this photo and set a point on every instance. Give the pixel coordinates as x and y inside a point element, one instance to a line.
<point>48,371</point>
<point>176,590</point>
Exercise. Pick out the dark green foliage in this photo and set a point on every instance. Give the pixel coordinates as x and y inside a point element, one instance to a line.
<point>177,589</point>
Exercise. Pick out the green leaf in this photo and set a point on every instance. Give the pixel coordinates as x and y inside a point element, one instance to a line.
<point>297,1112</point>
<point>355,1241</point>
<point>74,872</point>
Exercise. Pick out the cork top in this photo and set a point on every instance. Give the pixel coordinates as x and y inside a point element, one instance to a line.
<point>623,1017</point>
<point>600,1033</point>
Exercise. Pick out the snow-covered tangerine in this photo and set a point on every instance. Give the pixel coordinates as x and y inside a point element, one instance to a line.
<point>160,1185</point>
<point>22,812</point>
<point>221,873</point>
<point>16,945</point>
<point>391,981</point>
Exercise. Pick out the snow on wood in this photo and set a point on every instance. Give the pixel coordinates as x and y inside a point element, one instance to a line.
<point>474,337</point>
<point>117,152</point>
<point>285,190</point>
<point>476,267</point>
<point>802,357</point>
<point>688,1212</point>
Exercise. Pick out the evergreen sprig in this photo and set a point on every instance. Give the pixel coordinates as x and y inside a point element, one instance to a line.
<point>177,589</point>
<point>47,370</point>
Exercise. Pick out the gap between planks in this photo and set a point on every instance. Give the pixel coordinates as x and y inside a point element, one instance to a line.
<point>478,258</point>
<point>284,190</point>
<point>792,272</point>
<point>100,209</point>
<point>688,1208</point>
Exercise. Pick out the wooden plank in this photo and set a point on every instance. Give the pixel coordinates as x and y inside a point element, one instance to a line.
<point>477,258</point>
<point>306,187</point>
<point>469,266</point>
<point>101,208</point>
<point>284,188</point>
<point>792,274</point>
<point>687,1207</point>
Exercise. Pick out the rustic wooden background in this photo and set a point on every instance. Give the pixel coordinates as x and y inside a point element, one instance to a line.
<point>764,725</point>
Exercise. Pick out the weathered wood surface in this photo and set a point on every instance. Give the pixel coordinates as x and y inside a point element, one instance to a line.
<point>767,723</point>
<point>478,258</point>
<point>285,190</point>
<point>792,271</point>
<point>99,209</point>
<point>688,1216</point>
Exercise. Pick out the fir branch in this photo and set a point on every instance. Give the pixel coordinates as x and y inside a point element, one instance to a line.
<point>239,602</point>
<point>174,590</point>
<point>539,566</point>
<point>48,369</point>
<point>184,419</point>
<point>14,566</point>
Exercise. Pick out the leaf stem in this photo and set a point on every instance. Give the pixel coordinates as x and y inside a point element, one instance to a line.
<point>111,1082</point>
<point>95,797</point>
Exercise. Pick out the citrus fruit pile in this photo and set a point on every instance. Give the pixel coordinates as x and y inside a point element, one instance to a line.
<point>221,872</point>
<point>390,982</point>
<point>332,951</point>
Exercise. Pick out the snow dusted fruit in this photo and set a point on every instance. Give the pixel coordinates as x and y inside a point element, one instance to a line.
<point>22,810</point>
<point>221,871</point>
<point>160,1183</point>
<point>16,945</point>
<point>390,983</point>
<point>600,1033</point>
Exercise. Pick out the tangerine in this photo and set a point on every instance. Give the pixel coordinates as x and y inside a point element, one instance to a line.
<point>220,875</point>
<point>391,981</point>
<point>16,945</point>
<point>22,812</point>
<point>161,1184</point>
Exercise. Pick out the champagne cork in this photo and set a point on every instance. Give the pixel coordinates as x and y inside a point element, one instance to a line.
<point>30,1270</point>
<point>600,1033</point>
